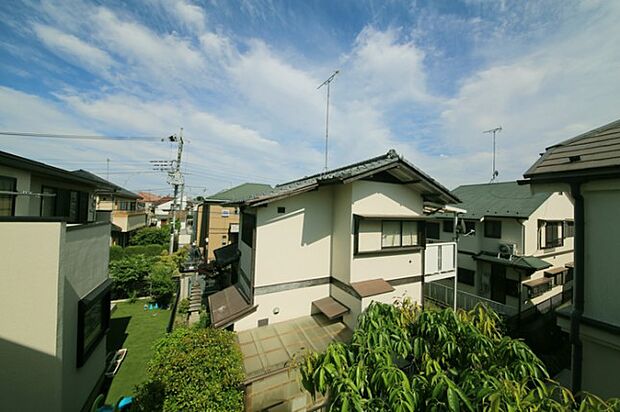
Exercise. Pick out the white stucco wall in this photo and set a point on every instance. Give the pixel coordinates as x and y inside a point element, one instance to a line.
<point>294,245</point>
<point>290,304</point>
<point>602,246</point>
<point>384,199</point>
<point>30,374</point>
<point>558,206</point>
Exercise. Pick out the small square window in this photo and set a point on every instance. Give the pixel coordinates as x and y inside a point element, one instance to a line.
<point>281,209</point>
<point>493,229</point>
<point>225,213</point>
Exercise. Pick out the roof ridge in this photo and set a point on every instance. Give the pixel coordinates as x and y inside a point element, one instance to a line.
<point>390,153</point>
<point>586,134</point>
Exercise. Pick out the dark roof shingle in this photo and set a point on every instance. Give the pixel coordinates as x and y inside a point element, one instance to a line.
<point>593,152</point>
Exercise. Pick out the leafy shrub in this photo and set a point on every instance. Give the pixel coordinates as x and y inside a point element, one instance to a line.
<point>116,253</point>
<point>404,359</point>
<point>193,370</point>
<point>183,306</point>
<point>161,285</point>
<point>151,236</point>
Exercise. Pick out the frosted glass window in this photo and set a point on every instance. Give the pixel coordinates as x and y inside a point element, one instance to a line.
<point>410,233</point>
<point>390,236</point>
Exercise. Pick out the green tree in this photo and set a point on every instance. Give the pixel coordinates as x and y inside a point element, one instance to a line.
<point>194,370</point>
<point>151,236</point>
<point>129,275</point>
<point>161,285</point>
<point>404,359</point>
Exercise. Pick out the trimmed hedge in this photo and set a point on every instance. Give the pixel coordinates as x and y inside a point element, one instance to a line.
<point>194,370</point>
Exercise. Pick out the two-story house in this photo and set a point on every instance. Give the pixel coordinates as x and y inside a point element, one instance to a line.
<point>332,243</point>
<point>126,211</point>
<point>54,288</point>
<point>588,167</point>
<point>217,221</point>
<point>515,248</point>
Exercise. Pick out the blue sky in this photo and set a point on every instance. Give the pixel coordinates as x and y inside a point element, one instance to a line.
<point>423,77</point>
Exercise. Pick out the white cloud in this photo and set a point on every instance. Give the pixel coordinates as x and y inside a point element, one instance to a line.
<point>388,68</point>
<point>192,15</point>
<point>69,46</point>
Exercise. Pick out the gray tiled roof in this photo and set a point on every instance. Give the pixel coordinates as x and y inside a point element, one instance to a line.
<point>349,173</point>
<point>593,152</point>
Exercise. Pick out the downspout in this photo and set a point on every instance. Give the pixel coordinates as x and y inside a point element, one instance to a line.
<point>456,251</point>
<point>578,292</point>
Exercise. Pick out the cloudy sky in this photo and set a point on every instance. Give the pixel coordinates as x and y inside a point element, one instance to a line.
<point>241,77</point>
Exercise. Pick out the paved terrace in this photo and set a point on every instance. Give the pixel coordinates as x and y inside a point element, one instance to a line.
<point>267,355</point>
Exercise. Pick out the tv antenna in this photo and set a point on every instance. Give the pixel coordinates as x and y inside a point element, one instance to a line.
<point>328,83</point>
<point>494,131</point>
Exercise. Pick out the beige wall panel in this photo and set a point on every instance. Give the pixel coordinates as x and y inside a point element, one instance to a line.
<point>341,233</point>
<point>386,266</point>
<point>290,303</point>
<point>295,245</point>
<point>558,206</point>
<point>374,198</point>
<point>30,372</point>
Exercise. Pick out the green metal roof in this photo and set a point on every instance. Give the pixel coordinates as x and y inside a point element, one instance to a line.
<point>504,199</point>
<point>240,192</point>
<point>531,263</point>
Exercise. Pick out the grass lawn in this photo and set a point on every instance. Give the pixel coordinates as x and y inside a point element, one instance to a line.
<point>136,329</point>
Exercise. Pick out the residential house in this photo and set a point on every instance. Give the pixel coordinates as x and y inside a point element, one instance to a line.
<point>332,243</point>
<point>217,221</point>
<point>150,200</point>
<point>588,167</point>
<point>124,207</point>
<point>515,248</point>
<point>163,210</point>
<point>54,287</point>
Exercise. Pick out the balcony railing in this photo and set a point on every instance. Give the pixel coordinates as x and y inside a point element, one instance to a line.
<point>439,261</point>
<point>444,295</point>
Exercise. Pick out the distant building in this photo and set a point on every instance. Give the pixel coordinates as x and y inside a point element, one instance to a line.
<point>588,168</point>
<point>217,221</point>
<point>515,248</point>
<point>150,200</point>
<point>334,242</point>
<point>54,287</point>
<point>126,210</point>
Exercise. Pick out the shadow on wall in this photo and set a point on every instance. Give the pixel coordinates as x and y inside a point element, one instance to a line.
<point>29,379</point>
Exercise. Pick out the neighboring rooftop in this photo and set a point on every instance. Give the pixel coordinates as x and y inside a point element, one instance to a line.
<point>106,185</point>
<point>149,197</point>
<point>240,192</point>
<point>18,162</point>
<point>594,153</point>
<point>505,199</point>
<point>390,167</point>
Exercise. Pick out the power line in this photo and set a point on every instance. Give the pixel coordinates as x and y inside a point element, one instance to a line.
<point>77,136</point>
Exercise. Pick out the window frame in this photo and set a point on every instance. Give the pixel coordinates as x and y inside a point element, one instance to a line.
<point>99,296</point>
<point>13,198</point>
<point>420,232</point>
<point>558,241</point>
<point>459,272</point>
<point>433,224</point>
<point>491,233</point>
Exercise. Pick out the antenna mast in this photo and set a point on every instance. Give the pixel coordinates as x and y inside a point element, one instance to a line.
<point>494,131</point>
<point>328,83</point>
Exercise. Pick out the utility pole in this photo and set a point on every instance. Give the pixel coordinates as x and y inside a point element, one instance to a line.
<point>175,178</point>
<point>495,173</point>
<point>328,83</point>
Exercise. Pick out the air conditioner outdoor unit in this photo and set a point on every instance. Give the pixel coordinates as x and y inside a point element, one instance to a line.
<point>508,248</point>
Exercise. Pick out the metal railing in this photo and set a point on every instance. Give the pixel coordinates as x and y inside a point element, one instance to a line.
<point>444,295</point>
